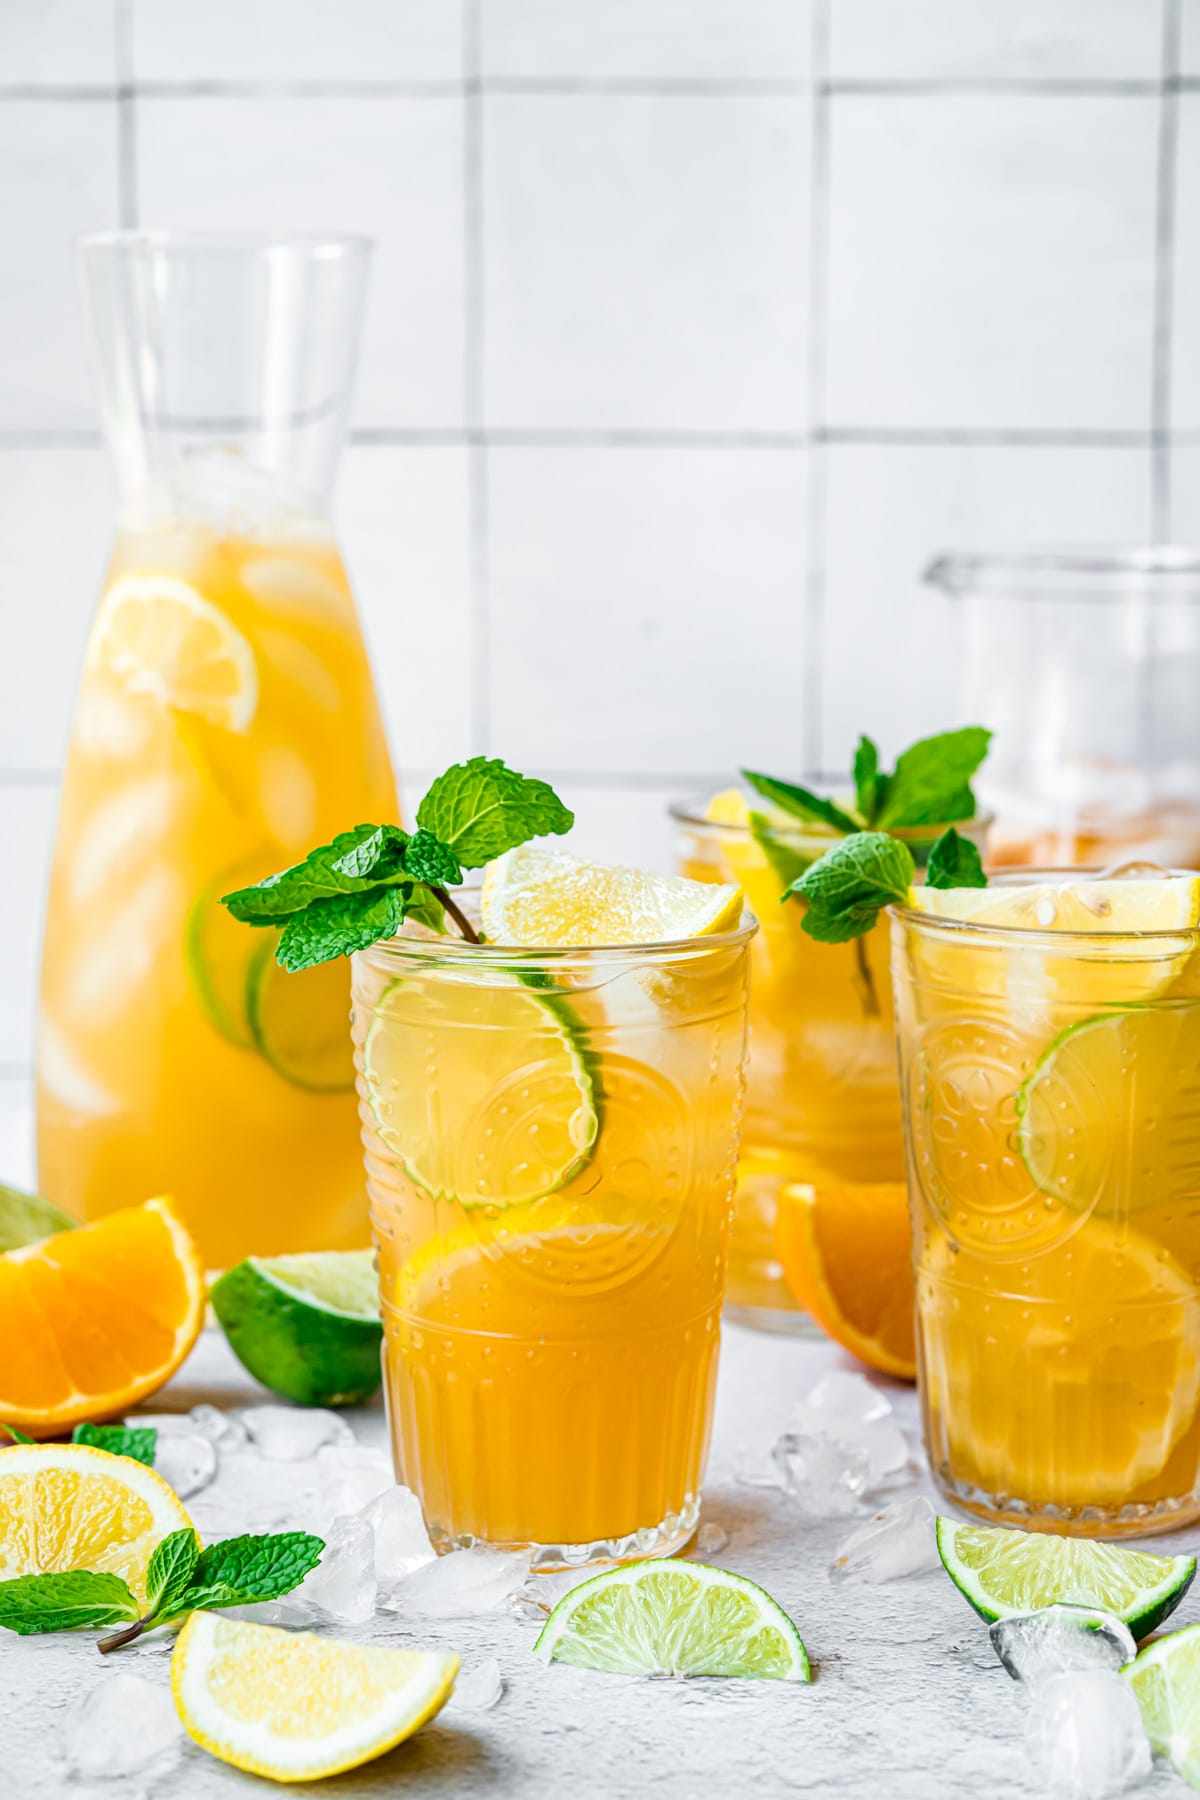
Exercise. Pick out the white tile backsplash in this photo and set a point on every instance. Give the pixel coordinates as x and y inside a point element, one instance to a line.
<point>1185,360</point>
<point>996,39</point>
<point>891,644</point>
<point>26,826</point>
<point>647,40</point>
<point>58,177</point>
<point>645,262</point>
<point>297,40</point>
<point>58,43</point>
<point>646,606</point>
<point>991,261</point>
<point>386,166</point>
<point>56,516</point>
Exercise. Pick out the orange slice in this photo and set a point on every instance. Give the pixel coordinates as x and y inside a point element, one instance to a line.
<point>94,1320</point>
<point>846,1254</point>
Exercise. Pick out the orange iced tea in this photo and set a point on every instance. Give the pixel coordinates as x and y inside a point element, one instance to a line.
<point>550,1140</point>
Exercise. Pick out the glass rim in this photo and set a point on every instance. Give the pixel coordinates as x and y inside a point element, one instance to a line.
<point>691,812</point>
<point>132,241</point>
<point>1039,937</point>
<point>455,952</point>
<point>1158,570</point>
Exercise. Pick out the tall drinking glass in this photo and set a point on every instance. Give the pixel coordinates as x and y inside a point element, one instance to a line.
<point>1052,1119</point>
<point>1087,667</point>
<point>226,721</point>
<point>550,1140</point>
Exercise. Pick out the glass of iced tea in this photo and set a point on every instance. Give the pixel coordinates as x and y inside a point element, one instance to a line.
<point>550,1139</point>
<point>1050,1066</point>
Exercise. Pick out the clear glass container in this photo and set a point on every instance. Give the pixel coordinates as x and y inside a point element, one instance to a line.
<point>822,1104</point>
<point>226,722</point>
<point>1052,1119</point>
<point>550,1140</point>
<point>1086,666</point>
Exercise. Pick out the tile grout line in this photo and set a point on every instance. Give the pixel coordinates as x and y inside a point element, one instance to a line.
<point>1164,279</point>
<point>127,181</point>
<point>816,474</point>
<point>474,327</point>
<point>457,437</point>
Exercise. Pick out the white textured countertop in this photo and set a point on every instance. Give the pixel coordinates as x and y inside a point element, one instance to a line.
<point>908,1700</point>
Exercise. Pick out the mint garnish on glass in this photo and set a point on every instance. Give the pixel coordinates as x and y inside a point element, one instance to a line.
<point>360,888</point>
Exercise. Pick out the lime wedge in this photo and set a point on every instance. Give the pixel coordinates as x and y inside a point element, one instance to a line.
<point>1003,1573</point>
<point>1166,1680</point>
<point>27,1218</point>
<point>301,1023</point>
<point>1120,1079</point>
<point>482,1090</point>
<point>537,896</point>
<point>674,1618</point>
<point>307,1327</point>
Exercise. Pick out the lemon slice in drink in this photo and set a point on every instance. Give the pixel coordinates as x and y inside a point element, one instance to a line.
<point>1165,1679</point>
<point>1110,1116</point>
<point>537,896</point>
<point>481,1089</point>
<point>157,636</point>
<point>674,1618</point>
<point>294,1706</point>
<point>1004,1573</point>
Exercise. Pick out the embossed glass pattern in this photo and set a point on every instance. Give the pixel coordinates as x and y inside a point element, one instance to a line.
<point>550,1141</point>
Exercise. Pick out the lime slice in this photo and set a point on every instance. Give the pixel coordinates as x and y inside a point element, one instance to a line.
<point>27,1218</point>
<point>301,1022</point>
<point>218,950</point>
<point>537,896</point>
<point>1109,1112</point>
<point>1003,1573</point>
<point>483,1091</point>
<point>674,1618</point>
<point>307,1327</point>
<point>1166,1680</point>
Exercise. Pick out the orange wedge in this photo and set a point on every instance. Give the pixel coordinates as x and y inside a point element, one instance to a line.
<point>93,1320</point>
<point>846,1255</point>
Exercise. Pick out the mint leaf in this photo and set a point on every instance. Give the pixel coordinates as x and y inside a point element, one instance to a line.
<point>244,1569</point>
<point>18,1437</point>
<point>71,1600</point>
<point>848,887</point>
<point>431,861</point>
<point>786,859</point>
<point>870,785</point>
<point>136,1441</point>
<point>170,1572</point>
<point>479,809</point>
<point>954,862</point>
<point>931,781</point>
<point>369,856</point>
<point>341,924</point>
<point>800,803</point>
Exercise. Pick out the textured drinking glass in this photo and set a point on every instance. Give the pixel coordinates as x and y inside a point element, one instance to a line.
<point>550,1141</point>
<point>1086,667</point>
<point>822,1101</point>
<point>226,722</point>
<point>1052,1119</point>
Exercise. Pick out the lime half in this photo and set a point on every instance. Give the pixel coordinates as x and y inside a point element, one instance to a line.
<point>482,1090</point>
<point>1166,1680</point>
<point>27,1218</point>
<point>674,1618</point>
<point>1113,1100</point>
<point>1003,1573</point>
<point>301,1022</point>
<point>307,1327</point>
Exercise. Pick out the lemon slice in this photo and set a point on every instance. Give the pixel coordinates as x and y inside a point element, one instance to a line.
<point>481,1090</point>
<point>69,1506</point>
<point>536,896</point>
<point>1168,903</point>
<point>294,1706</point>
<point>157,636</point>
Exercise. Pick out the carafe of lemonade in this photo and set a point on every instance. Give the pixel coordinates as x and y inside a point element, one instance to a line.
<point>226,720</point>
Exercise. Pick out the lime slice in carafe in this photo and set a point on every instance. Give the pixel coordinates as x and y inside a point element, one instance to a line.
<point>301,1022</point>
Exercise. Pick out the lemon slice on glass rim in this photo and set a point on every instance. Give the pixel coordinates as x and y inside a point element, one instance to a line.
<point>537,897</point>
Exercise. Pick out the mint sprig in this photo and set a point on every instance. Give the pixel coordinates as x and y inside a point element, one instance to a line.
<point>954,862</point>
<point>363,885</point>
<point>800,803</point>
<point>137,1441</point>
<point>18,1437</point>
<point>180,1578</point>
<point>848,887</point>
<point>930,785</point>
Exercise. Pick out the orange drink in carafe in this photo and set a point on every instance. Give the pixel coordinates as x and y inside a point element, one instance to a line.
<point>226,720</point>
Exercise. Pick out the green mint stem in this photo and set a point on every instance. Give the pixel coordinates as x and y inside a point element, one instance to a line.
<point>866,980</point>
<point>460,918</point>
<point>119,1639</point>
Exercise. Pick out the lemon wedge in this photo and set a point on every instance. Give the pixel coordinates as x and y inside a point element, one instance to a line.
<point>534,896</point>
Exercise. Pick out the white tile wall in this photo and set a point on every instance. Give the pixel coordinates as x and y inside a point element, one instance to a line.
<point>696,327</point>
<point>26,830</point>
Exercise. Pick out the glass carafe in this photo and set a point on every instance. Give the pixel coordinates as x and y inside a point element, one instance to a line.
<point>226,722</point>
<point>1086,666</point>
